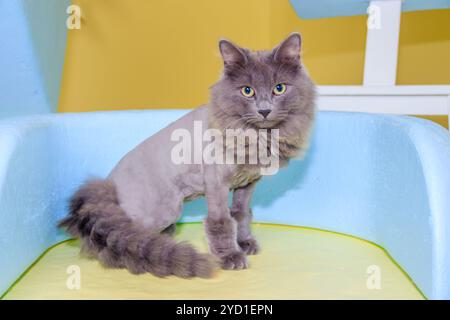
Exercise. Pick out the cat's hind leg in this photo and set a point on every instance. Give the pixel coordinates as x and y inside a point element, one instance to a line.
<point>120,240</point>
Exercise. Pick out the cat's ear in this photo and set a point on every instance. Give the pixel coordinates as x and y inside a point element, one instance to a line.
<point>231,54</point>
<point>289,49</point>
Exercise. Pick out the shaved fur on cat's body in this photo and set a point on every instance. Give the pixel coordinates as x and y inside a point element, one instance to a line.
<point>123,220</point>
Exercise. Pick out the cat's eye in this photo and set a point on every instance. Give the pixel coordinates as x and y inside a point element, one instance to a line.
<point>279,89</point>
<point>247,91</point>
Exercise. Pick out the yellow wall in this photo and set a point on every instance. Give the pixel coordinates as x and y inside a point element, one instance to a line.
<point>136,54</point>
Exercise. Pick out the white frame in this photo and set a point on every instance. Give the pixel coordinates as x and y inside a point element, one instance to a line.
<point>379,94</point>
<point>412,100</point>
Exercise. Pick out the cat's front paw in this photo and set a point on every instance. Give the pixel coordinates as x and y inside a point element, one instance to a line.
<point>249,246</point>
<point>234,261</point>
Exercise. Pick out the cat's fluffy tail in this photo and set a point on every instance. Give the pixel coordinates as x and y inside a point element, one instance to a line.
<point>110,235</point>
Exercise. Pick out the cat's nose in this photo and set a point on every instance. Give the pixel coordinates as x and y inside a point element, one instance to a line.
<point>264,112</point>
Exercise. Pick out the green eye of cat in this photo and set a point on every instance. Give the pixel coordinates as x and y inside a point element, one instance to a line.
<point>247,92</point>
<point>279,89</point>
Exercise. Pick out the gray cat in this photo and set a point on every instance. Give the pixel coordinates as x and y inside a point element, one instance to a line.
<point>125,220</point>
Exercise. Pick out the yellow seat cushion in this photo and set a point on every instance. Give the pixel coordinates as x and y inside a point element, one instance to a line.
<point>294,263</point>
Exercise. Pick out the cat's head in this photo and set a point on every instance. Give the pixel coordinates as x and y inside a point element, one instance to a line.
<point>261,89</point>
